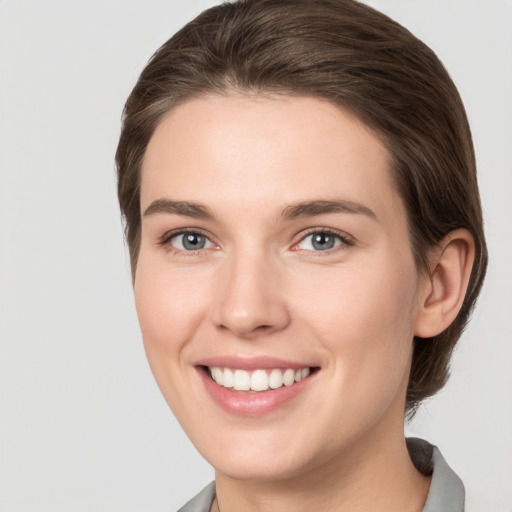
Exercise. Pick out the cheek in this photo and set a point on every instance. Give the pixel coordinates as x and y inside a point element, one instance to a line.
<point>361,299</point>
<point>169,307</point>
<point>365,319</point>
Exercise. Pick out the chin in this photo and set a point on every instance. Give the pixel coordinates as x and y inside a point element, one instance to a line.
<point>259,457</point>
<point>257,470</point>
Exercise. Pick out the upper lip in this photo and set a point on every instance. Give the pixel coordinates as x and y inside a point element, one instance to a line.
<point>250,363</point>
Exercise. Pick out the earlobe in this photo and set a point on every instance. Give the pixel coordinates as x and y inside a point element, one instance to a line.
<point>450,265</point>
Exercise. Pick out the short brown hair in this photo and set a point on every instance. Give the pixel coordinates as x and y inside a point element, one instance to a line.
<point>359,59</point>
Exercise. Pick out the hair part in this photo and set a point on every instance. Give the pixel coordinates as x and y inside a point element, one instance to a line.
<point>359,59</point>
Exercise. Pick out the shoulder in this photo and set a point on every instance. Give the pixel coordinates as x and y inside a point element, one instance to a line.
<point>202,502</point>
<point>446,488</point>
<point>447,492</point>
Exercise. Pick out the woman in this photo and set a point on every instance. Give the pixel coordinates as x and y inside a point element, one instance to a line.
<point>299,188</point>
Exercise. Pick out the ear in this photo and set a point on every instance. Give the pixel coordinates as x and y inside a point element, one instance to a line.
<point>445,288</point>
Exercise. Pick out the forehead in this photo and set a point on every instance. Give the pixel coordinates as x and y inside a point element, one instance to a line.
<point>260,151</point>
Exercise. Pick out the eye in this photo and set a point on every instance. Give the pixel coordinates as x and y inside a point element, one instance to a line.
<point>190,241</point>
<point>321,241</point>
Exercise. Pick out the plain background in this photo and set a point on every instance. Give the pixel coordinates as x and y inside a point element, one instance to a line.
<point>82,424</point>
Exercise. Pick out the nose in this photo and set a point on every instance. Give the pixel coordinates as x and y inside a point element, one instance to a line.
<point>250,300</point>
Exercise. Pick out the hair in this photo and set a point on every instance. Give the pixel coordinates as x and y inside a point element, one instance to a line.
<point>360,60</point>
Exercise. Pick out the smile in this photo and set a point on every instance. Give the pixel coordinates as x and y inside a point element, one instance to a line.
<point>255,386</point>
<point>257,380</point>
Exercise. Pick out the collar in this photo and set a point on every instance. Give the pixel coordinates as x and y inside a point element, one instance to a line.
<point>446,492</point>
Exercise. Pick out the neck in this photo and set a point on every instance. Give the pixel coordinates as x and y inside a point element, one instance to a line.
<point>379,477</point>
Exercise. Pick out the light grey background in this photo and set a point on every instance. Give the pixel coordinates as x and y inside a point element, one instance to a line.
<point>82,424</point>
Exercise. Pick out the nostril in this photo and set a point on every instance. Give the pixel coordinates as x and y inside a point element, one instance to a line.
<point>263,328</point>
<point>247,332</point>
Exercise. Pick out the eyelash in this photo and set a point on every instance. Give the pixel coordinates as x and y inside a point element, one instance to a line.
<point>346,240</point>
<point>165,240</point>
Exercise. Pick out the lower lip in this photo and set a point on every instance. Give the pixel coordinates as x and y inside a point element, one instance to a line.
<point>244,403</point>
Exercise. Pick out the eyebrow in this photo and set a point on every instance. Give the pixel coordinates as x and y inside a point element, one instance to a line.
<point>321,207</point>
<point>185,208</point>
<point>290,212</point>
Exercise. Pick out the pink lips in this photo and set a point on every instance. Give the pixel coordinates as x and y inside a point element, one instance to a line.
<point>252,363</point>
<point>250,403</point>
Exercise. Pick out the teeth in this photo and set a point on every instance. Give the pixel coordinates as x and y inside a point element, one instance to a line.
<point>275,379</point>
<point>289,377</point>
<point>257,380</point>
<point>218,375</point>
<point>226,379</point>
<point>300,374</point>
<point>242,380</point>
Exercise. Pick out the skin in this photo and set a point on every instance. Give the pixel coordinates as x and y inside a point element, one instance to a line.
<point>259,288</point>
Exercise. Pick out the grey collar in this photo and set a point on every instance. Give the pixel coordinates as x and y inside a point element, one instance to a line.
<point>202,502</point>
<point>446,492</point>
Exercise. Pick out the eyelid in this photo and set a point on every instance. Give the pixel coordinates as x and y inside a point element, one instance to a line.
<point>165,239</point>
<point>346,239</point>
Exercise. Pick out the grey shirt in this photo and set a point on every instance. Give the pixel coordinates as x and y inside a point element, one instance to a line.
<point>446,492</point>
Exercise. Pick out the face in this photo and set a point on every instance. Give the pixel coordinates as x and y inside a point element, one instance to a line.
<point>276,289</point>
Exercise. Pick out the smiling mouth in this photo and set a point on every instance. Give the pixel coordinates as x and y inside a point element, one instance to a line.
<point>257,380</point>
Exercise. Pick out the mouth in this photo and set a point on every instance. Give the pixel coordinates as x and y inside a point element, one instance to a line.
<point>257,380</point>
<point>255,386</point>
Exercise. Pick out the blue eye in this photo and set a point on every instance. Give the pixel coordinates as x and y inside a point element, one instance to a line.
<point>320,241</point>
<point>190,241</point>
